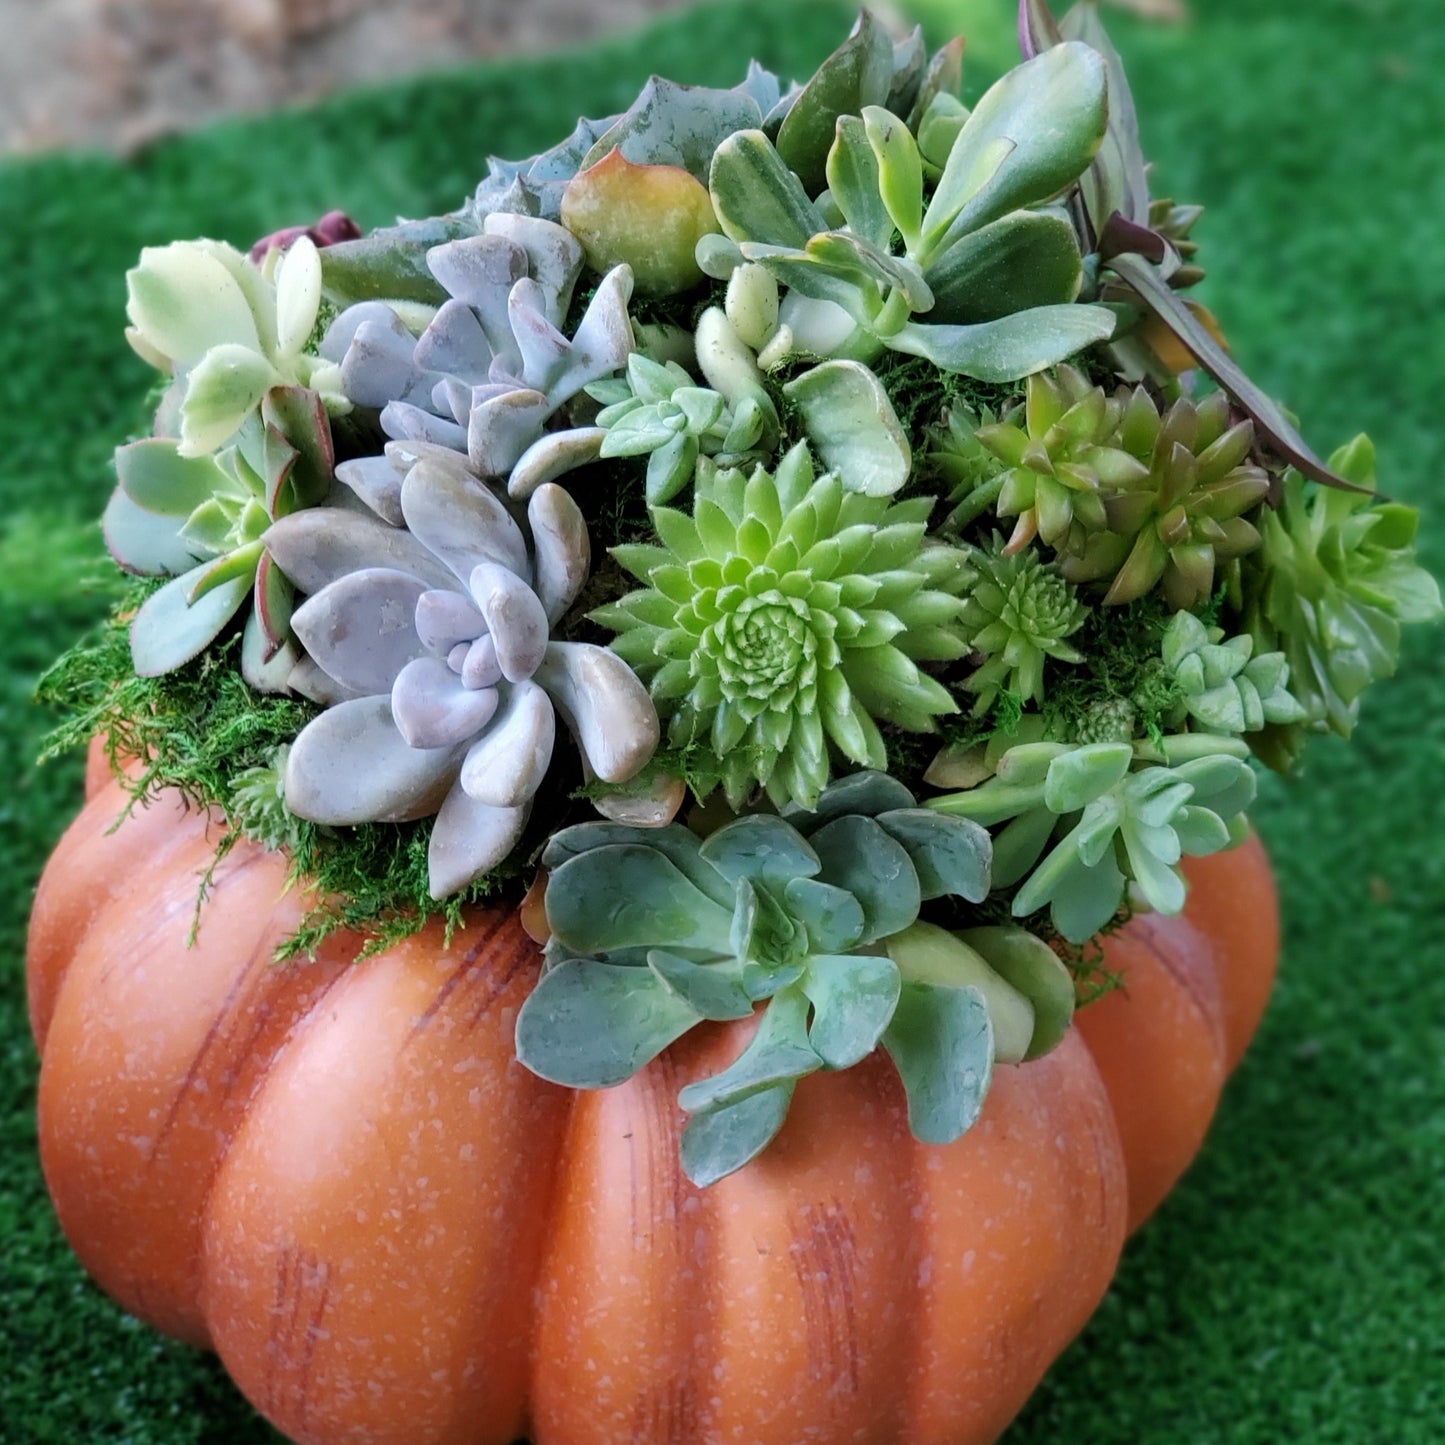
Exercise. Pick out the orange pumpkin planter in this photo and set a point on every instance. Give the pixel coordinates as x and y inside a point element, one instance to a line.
<point>339,1177</point>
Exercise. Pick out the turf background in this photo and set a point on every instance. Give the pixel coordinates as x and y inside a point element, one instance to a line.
<point>1294,1286</point>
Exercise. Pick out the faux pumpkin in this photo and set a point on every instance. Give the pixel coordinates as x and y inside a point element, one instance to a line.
<point>337,1175</point>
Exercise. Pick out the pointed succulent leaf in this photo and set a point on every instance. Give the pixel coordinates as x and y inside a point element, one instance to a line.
<point>184,301</point>
<point>853,997</point>
<point>756,197</point>
<point>900,171</point>
<point>1076,778</point>
<point>941,1042</point>
<point>590,1025</point>
<point>170,629</point>
<point>1054,110</point>
<point>144,542</point>
<point>391,262</point>
<point>1011,347</point>
<point>157,477</point>
<point>675,125</point>
<point>223,390</point>
<point>853,182</point>
<point>1025,961</point>
<point>320,545</point>
<point>858,74</point>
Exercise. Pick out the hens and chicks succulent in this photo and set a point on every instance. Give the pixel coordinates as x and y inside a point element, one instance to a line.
<point>899,443</point>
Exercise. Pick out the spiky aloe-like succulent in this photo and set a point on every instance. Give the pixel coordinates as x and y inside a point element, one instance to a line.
<point>1171,527</point>
<point>1114,818</point>
<point>660,412</point>
<point>432,644</point>
<point>1019,612</point>
<point>956,459</point>
<point>202,520</point>
<point>814,914</point>
<point>1225,687</point>
<point>1333,584</point>
<point>229,331</point>
<point>491,366</point>
<point>1062,453</point>
<point>788,615</point>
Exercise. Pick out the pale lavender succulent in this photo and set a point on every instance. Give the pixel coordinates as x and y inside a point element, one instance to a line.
<point>428,636</point>
<point>492,366</point>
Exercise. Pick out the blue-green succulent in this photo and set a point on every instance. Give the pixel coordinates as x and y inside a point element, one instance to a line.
<point>1226,687</point>
<point>812,915</point>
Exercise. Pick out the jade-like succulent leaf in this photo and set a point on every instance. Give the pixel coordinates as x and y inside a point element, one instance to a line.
<point>858,74</point>
<point>832,916</point>
<point>171,629</point>
<point>1025,961</point>
<point>1016,263</point>
<point>392,262</point>
<point>941,1042</point>
<point>589,1025</point>
<point>1054,111</point>
<point>762,849</point>
<point>853,996</point>
<point>1011,347</point>
<point>756,197</point>
<point>949,855</point>
<point>853,182</point>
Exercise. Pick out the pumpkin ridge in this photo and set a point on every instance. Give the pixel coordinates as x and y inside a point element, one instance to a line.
<point>466,973</point>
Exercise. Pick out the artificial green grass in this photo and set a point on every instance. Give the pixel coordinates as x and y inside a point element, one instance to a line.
<point>1293,1288</point>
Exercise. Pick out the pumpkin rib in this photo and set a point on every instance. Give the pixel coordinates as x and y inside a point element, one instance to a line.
<point>97,867</point>
<point>153,1052</point>
<point>1159,1044</point>
<point>390,1184</point>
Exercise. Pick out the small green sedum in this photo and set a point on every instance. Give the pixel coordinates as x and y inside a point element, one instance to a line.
<point>786,619</point>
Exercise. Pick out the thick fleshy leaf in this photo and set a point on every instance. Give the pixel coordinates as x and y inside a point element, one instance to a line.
<point>756,197</point>
<point>506,766</point>
<point>553,455</point>
<point>392,262</point>
<point>170,630</point>
<point>377,482</point>
<point>853,183</point>
<point>721,1141</point>
<point>853,998</point>
<point>299,417</point>
<point>461,520</point>
<point>1024,960</point>
<point>1276,430</point>
<point>1018,262</point>
<point>515,618</point>
<point>628,895</point>
<point>851,422</point>
<point>1053,109</point>
<point>675,125</point>
<point>298,295</point>
<point>713,989</point>
<point>1013,346</point>
<point>351,765</point>
<point>778,1051</point>
<point>858,74</point>
<point>1075,779</point>
<point>223,390</point>
<point>868,793</point>
<point>858,856</point>
<point>433,709</point>
<point>941,1042</point>
<point>561,548</point>
<point>467,839</point>
<point>320,545</point>
<point>184,301</point>
<point>761,848</point>
<point>608,710</point>
<point>155,476</point>
<point>679,844</point>
<point>649,217</point>
<point>361,627</point>
<point>832,916</point>
<point>951,856</point>
<point>144,542</point>
<point>590,1025</point>
<point>265,667</point>
<point>900,171</point>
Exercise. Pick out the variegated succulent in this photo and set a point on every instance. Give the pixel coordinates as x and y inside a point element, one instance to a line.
<point>431,643</point>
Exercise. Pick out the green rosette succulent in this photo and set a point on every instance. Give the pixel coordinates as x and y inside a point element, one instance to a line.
<point>1116,815</point>
<point>1332,585</point>
<point>1062,454</point>
<point>1226,687</point>
<point>1019,612</point>
<point>956,460</point>
<point>786,617</point>
<point>658,411</point>
<point>813,915</point>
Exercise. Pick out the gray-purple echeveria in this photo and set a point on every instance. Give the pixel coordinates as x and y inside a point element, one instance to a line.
<point>431,641</point>
<point>491,367</point>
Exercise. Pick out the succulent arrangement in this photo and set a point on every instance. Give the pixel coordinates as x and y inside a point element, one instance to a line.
<point>914,573</point>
